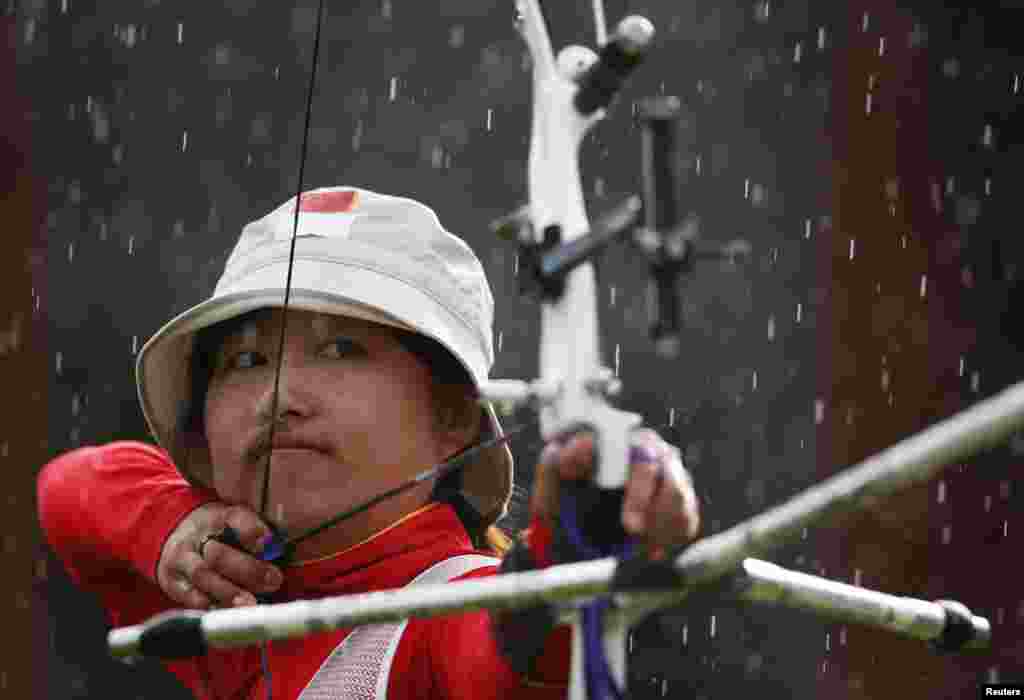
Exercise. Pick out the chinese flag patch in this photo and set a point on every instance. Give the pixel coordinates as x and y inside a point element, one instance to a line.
<point>329,202</point>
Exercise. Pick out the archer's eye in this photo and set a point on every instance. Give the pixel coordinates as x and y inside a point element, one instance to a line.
<point>246,359</point>
<point>342,347</point>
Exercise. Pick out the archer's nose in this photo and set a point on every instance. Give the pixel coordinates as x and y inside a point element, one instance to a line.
<point>284,397</point>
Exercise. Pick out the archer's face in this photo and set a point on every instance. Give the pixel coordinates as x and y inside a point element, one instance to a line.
<point>357,420</point>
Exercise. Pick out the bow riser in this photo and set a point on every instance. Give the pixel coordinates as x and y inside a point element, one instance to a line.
<point>570,353</point>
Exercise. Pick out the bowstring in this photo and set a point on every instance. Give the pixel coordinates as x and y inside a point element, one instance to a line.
<point>265,488</point>
<point>291,252</point>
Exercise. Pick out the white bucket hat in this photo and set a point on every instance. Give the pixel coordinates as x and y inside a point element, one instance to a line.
<point>359,254</point>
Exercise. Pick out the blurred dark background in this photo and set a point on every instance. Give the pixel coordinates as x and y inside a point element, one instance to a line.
<point>870,151</point>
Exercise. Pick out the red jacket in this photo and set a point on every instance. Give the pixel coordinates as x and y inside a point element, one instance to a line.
<point>107,511</point>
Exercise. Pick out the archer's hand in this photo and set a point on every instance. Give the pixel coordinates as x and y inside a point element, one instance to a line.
<point>199,572</point>
<point>659,505</point>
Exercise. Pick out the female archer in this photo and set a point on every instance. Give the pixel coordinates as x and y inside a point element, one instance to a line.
<point>276,406</point>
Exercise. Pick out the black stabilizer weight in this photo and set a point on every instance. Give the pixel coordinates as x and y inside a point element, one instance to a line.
<point>624,51</point>
<point>959,629</point>
<point>177,634</point>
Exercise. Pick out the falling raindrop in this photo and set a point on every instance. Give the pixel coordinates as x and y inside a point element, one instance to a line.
<point>988,503</point>
<point>71,251</point>
<point>940,496</point>
<point>754,382</point>
<point>131,245</point>
<point>947,534</point>
<point>60,362</point>
<point>184,140</point>
<point>457,36</point>
<point>857,577</point>
<point>881,46</point>
<point>799,312</point>
<point>698,165</point>
<point>975,381</point>
<point>393,89</point>
<point>798,52</point>
<point>865,22</point>
<point>712,630</point>
<point>490,118</point>
<point>686,634</point>
<point>612,295</point>
<point>960,371</point>
<point>807,228</point>
<point>357,135</point>
<point>135,344</point>
<point>828,641</point>
<point>885,380</point>
<point>868,104</point>
<point>771,328</point>
<point>821,38</point>
<point>501,337</point>
<point>986,137</point>
<point>819,411</point>
<point>924,286</point>
<point>181,32</point>
<point>618,347</point>
<point>853,248</point>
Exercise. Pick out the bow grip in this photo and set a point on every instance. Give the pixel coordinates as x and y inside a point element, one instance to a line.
<point>590,521</point>
<point>590,516</point>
